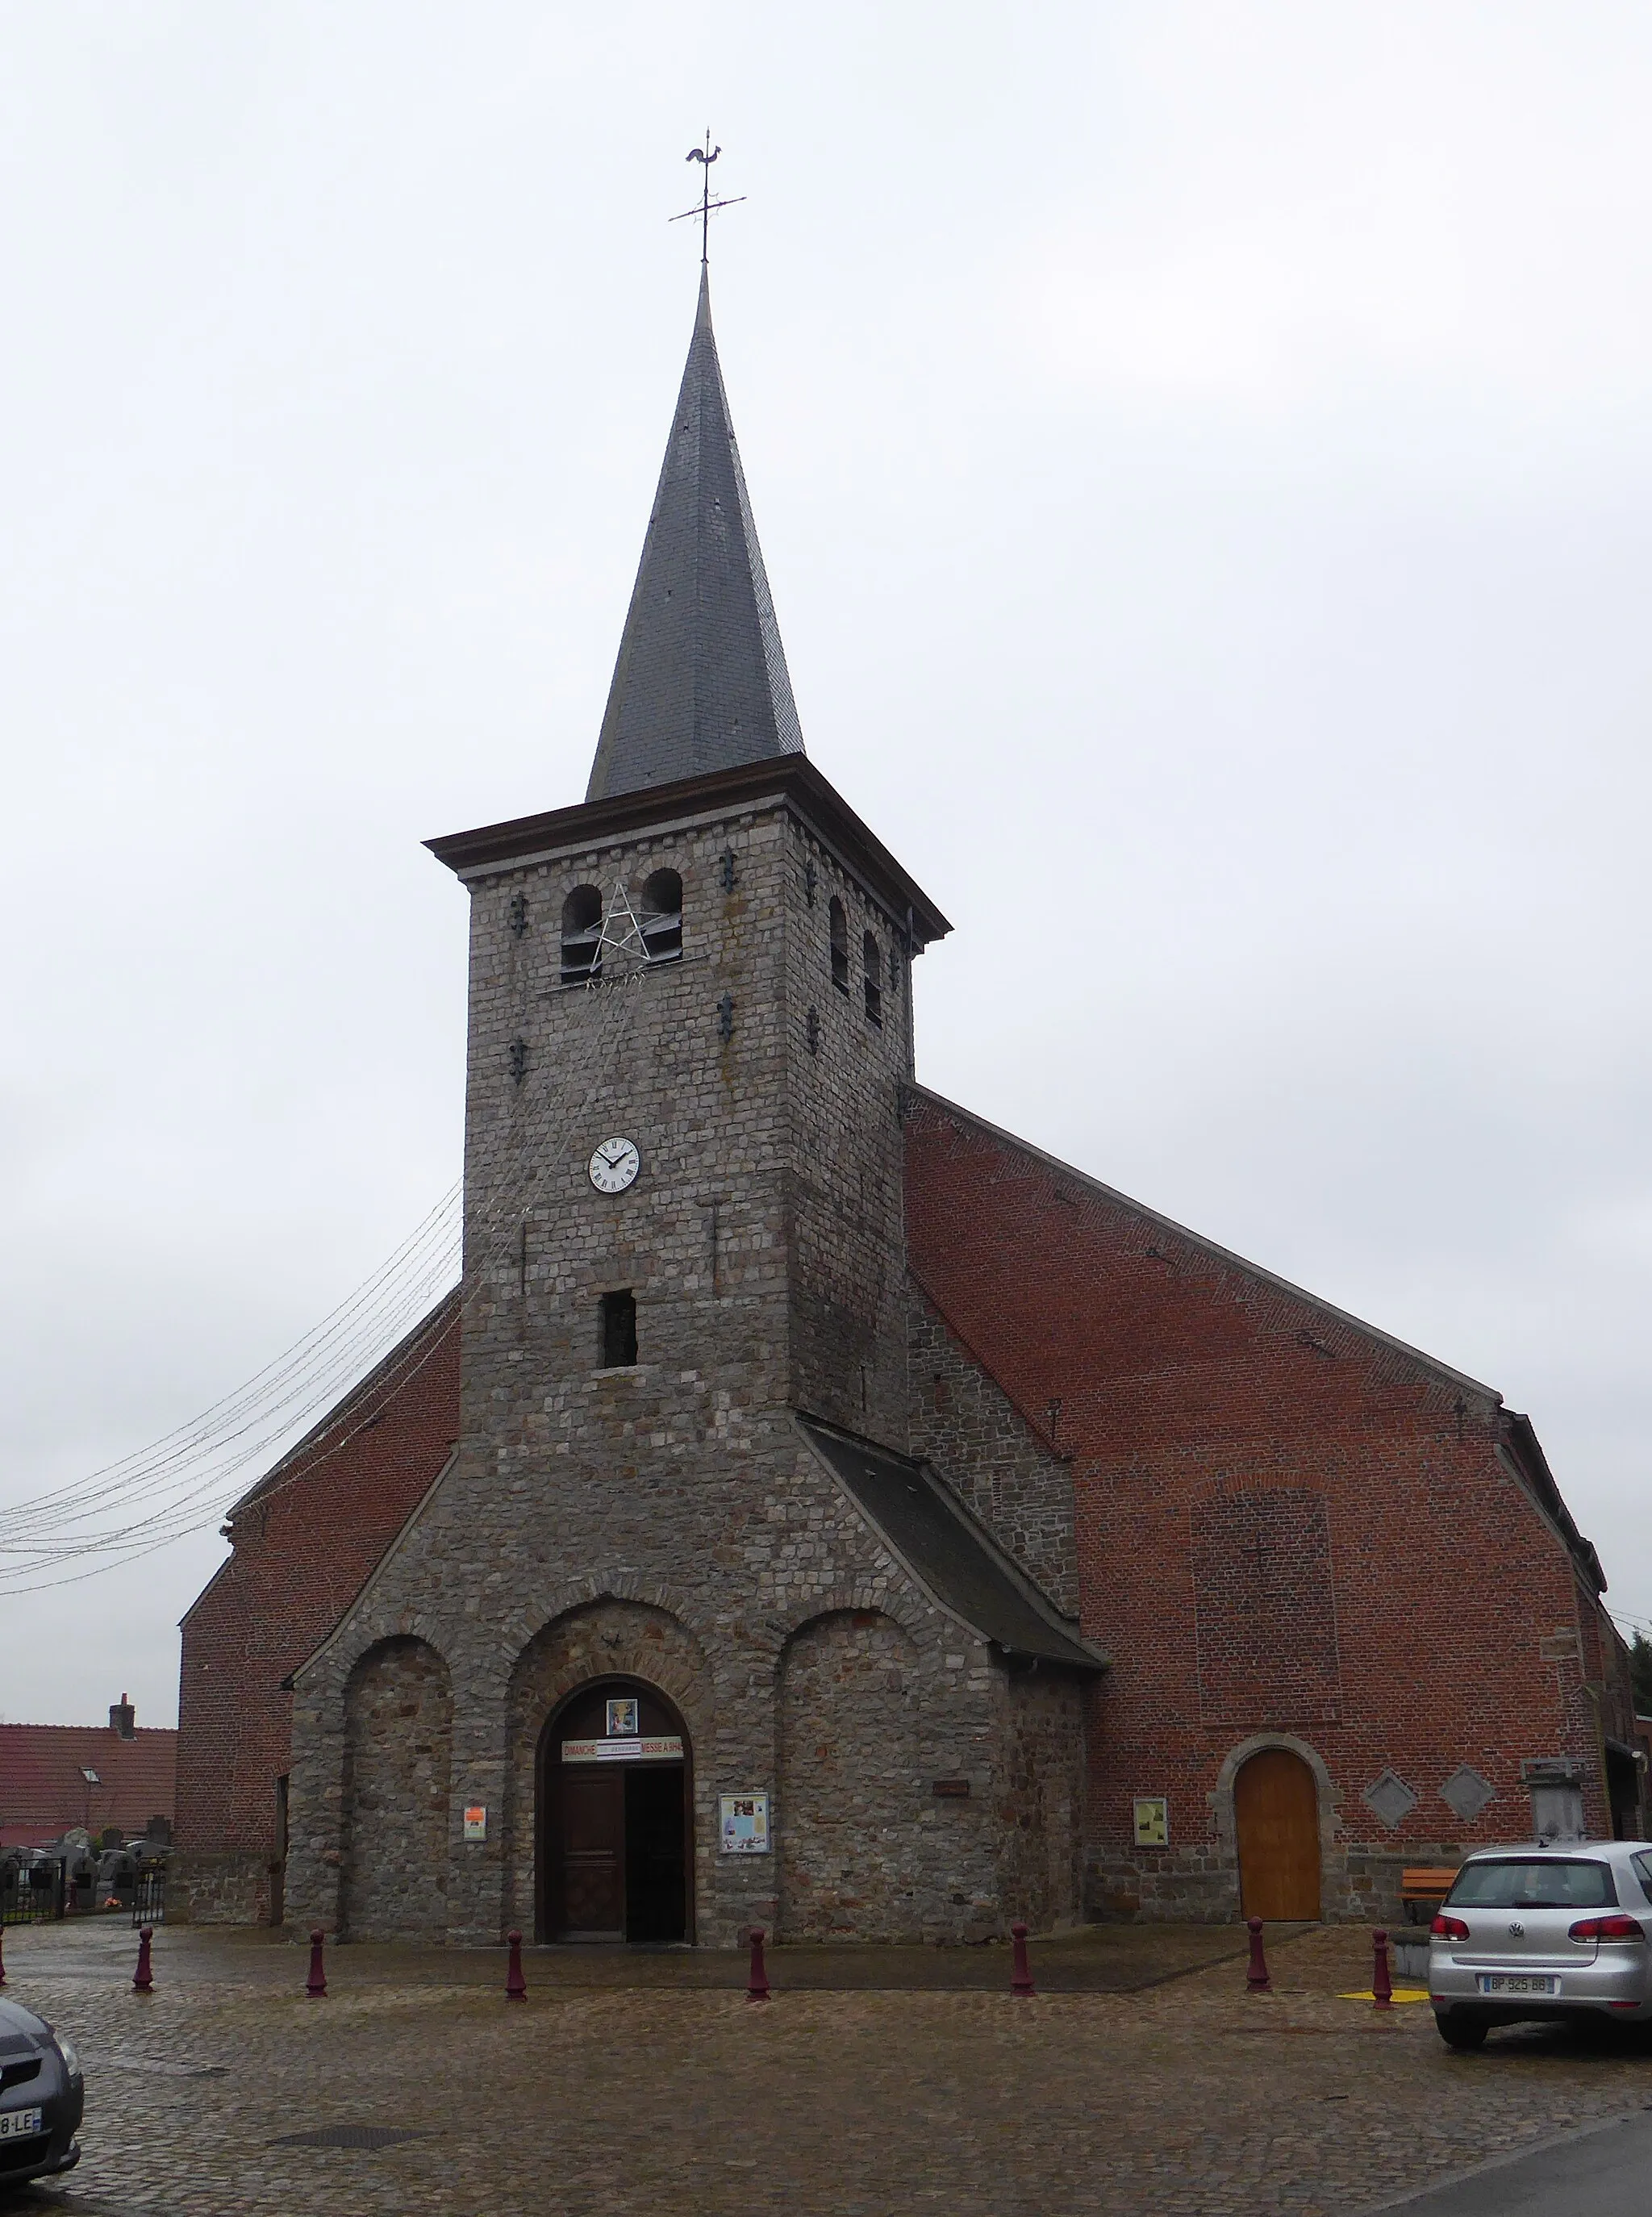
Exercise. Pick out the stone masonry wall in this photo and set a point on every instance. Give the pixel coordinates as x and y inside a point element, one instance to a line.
<point>1039,1797</point>
<point>398,1717</point>
<point>845,1209</point>
<point>964,1423</point>
<point>866,1849</point>
<point>762,1242</point>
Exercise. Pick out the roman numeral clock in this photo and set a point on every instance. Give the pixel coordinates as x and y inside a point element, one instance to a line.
<point>615,1165</point>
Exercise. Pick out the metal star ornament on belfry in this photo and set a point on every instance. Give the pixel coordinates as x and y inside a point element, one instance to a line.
<point>707,208</point>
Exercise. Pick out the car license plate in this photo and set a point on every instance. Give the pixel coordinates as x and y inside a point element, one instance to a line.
<point>1503,1982</point>
<point>17,2124</point>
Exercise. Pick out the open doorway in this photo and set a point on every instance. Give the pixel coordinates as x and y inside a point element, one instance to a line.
<point>614,1832</point>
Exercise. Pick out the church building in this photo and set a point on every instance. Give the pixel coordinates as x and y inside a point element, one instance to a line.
<point>816,1508</point>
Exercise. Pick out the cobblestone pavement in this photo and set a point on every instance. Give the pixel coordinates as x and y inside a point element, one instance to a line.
<point>1186,2096</point>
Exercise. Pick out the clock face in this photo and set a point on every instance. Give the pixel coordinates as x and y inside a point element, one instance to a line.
<point>615,1165</point>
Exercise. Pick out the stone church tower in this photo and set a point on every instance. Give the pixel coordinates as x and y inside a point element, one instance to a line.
<point>683,1638</point>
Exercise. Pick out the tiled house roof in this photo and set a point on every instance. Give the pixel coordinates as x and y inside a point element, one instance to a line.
<point>43,1792</point>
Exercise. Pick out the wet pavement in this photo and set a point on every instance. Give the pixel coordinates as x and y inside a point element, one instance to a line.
<point>901,2080</point>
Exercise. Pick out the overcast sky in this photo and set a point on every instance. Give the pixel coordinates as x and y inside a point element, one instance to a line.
<point>1202,459</point>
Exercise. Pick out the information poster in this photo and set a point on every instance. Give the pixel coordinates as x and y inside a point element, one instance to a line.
<point>1153,1823</point>
<point>744,1825</point>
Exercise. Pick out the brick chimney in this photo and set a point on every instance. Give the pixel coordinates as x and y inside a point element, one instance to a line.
<point>123,1718</point>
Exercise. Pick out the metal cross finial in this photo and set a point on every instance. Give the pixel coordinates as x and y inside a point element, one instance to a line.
<point>708,207</point>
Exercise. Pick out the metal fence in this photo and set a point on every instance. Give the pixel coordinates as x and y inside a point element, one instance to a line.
<point>149,1898</point>
<point>33,1896</point>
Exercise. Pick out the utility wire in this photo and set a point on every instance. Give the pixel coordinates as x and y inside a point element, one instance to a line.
<point>171,1479</point>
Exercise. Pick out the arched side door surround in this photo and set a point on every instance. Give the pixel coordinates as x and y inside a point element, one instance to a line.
<point>614,1836</point>
<point>1276,1819</point>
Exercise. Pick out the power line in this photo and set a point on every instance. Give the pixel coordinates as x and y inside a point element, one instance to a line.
<point>194,1463</point>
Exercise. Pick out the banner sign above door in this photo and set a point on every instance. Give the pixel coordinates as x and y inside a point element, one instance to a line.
<point>666,1748</point>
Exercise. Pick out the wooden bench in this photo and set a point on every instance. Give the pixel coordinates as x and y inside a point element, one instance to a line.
<point>1425,1885</point>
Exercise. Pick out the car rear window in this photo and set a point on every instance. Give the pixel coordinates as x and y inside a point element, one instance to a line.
<point>1534,1882</point>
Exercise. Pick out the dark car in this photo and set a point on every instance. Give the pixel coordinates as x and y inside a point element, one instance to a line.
<point>41,2097</point>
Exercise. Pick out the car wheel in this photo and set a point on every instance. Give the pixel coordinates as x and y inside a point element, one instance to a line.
<point>1461,2031</point>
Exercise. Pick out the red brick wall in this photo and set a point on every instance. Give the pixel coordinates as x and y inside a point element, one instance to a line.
<point>304,1543</point>
<point>1284,1525</point>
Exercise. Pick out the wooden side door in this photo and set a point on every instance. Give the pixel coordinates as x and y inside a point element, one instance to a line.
<point>593,1854</point>
<point>1276,1812</point>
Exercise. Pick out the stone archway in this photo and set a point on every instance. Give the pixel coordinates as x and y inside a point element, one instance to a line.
<point>398,1730</point>
<point>613,1828</point>
<point>607,1637</point>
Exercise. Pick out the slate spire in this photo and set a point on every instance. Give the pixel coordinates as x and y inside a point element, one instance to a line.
<point>701,681</point>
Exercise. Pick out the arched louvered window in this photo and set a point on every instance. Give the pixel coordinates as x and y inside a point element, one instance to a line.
<point>873,969</point>
<point>840,946</point>
<point>661,917</point>
<point>582,935</point>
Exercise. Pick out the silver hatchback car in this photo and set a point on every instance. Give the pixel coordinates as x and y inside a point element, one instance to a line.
<point>1542,1932</point>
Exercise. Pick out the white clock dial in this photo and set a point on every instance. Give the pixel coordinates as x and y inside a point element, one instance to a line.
<point>615,1165</point>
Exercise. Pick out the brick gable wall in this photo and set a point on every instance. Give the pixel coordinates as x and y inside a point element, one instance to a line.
<point>1286,1526</point>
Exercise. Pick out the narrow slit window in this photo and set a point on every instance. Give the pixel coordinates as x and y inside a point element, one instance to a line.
<point>617,1331</point>
<point>873,970</point>
<point>663,917</point>
<point>839,946</point>
<point>582,935</point>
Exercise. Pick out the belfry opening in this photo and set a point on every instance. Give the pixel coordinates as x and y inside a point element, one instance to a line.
<point>615,1851</point>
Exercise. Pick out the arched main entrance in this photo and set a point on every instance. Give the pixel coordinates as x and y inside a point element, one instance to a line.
<point>614,1835</point>
<point>1276,1817</point>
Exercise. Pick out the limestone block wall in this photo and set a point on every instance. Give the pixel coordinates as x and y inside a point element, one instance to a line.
<point>1039,1800</point>
<point>868,1721</point>
<point>696,1571</point>
<point>394,1793</point>
<point>964,1423</point>
<point>846,1212</point>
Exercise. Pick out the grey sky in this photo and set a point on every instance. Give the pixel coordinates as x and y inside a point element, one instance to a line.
<point>1201,459</point>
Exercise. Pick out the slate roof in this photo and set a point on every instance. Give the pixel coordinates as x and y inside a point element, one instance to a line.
<point>700,683</point>
<point>42,1792</point>
<point>928,1528</point>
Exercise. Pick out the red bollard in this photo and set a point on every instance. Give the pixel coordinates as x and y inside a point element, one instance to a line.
<point>1381,1986</point>
<point>757,1984</point>
<point>316,1984</point>
<point>1020,1971</point>
<point>516,1984</point>
<point>1256,1978</point>
<point>143,1979</point>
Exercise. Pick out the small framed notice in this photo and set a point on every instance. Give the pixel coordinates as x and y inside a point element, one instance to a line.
<point>1153,1822</point>
<point>743,1826</point>
<point>623,1716</point>
<point>476,1821</point>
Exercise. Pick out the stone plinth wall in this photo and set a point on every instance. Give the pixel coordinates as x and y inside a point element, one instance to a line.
<point>226,1886</point>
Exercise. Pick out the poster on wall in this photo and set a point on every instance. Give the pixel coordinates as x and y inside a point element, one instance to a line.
<point>476,1821</point>
<point>623,1718</point>
<point>1153,1822</point>
<point>743,1827</point>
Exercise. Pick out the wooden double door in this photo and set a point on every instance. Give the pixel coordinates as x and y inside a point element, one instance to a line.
<point>614,1838</point>
<point>1276,1815</point>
